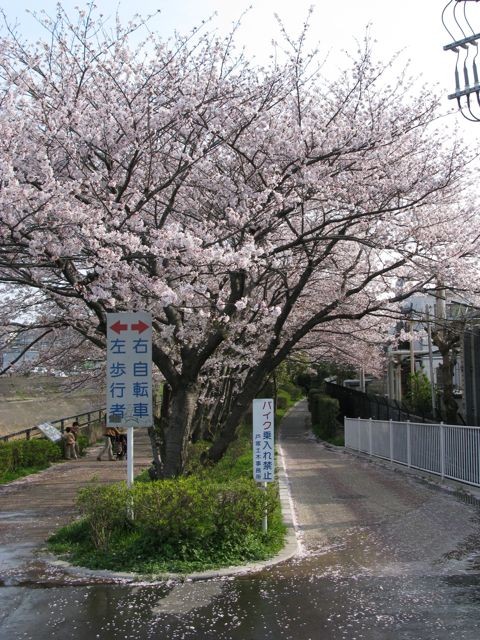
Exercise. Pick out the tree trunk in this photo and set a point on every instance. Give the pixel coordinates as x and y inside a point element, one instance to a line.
<point>198,423</point>
<point>240,406</point>
<point>155,471</point>
<point>156,433</point>
<point>178,429</point>
<point>221,410</point>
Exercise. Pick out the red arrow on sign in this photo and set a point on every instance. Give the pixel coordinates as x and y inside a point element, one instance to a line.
<point>139,326</point>
<point>118,327</point>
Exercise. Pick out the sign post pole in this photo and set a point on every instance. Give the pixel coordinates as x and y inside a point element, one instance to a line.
<point>263,447</point>
<point>265,517</point>
<point>129,457</point>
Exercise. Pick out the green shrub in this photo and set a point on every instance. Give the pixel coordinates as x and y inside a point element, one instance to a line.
<point>40,452</point>
<point>6,458</point>
<point>82,443</point>
<point>174,510</point>
<point>106,509</point>
<point>312,406</point>
<point>20,454</point>
<point>419,394</point>
<point>239,507</point>
<point>282,400</point>
<point>338,440</point>
<point>324,416</point>
<point>179,518</point>
<point>304,381</point>
<point>293,390</point>
<point>287,395</point>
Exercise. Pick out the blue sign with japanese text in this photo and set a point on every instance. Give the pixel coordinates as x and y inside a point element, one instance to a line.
<point>129,369</point>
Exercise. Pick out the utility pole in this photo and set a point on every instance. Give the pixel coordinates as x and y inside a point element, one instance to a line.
<point>362,380</point>
<point>446,339</point>
<point>473,376</point>
<point>464,44</point>
<point>430,359</point>
<point>412,348</point>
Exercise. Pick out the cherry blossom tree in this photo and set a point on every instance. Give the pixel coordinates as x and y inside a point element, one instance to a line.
<point>250,210</point>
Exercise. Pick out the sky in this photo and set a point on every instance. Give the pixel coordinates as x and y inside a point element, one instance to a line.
<point>411,26</point>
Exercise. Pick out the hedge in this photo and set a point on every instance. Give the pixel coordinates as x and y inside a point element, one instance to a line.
<point>312,406</point>
<point>20,454</point>
<point>82,443</point>
<point>324,411</point>
<point>176,515</point>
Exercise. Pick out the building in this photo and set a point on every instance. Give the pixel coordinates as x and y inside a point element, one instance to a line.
<point>424,315</point>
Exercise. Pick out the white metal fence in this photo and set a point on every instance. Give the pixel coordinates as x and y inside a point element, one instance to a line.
<point>447,450</point>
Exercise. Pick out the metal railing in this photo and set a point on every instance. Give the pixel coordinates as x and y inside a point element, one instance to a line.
<point>355,403</point>
<point>449,451</point>
<point>85,420</point>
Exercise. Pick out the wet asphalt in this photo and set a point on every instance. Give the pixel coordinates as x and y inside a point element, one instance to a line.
<point>381,556</point>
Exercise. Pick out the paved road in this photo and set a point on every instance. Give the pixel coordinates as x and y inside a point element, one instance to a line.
<point>383,521</point>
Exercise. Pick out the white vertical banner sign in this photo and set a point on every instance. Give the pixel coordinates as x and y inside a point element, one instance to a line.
<point>129,375</point>
<point>263,440</point>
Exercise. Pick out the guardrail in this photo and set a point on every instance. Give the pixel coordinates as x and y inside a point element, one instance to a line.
<point>449,451</point>
<point>85,420</point>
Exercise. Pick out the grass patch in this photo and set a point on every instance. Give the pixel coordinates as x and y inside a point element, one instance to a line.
<point>338,440</point>
<point>9,476</point>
